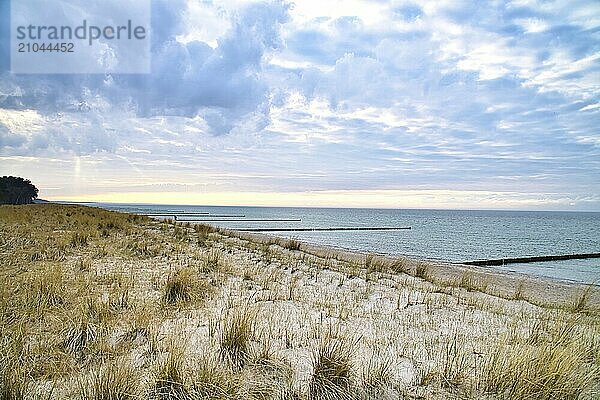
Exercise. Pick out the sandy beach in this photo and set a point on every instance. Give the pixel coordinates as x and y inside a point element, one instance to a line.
<point>97,304</point>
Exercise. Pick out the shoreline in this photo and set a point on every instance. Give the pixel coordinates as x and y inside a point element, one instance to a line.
<point>175,308</point>
<point>540,289</point>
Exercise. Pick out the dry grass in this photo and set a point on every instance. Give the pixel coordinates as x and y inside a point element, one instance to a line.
<point>179,287</point>
<point>377,374</point>
<point>543,372</point>
<point>237,331</point>
<point>102,305</point>
<point>332,375</point>
<point>111,381</point>
<point>212,381</point>
<point>292,244</point>
<point>170,377</point>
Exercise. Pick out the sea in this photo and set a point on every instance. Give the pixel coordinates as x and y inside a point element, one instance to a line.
<point>442,235</point>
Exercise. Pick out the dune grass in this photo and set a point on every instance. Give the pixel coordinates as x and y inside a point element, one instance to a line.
<point>236,333</point>
<point>332,375</point>
<point>102,305</point>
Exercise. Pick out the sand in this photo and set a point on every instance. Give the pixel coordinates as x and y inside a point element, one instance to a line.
<point>388,327</point>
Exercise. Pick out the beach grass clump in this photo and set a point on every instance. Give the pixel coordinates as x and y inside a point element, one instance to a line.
<point>184,286</point>
<point>212,261</point>
<point>13,378</point>
<point>377,375</point>
<point>331,371</point>
<point>292,244</point>
<point>237,331</point>
<point>556,368</point>
<point>13,382</point>
<point>46,289</point>
<point>210,380</point>
<point>422,271</point>
<point>468,282</point>
<point>79,333</point>
<point>85,328</point>
<point>400,265</point>
<point>537,372</point>
<point>374,264</point>
<point>119,299</point>
<point>79,239</point>
<point>519,292</point>
<point>454,361</point>
<point>472,282</point>
<point>170,376</point>
<point>114,380</point>
<point>268,379</point>
<point>205,229</point>
<point>203,232</point>
<point>144,250</point>
<point>581,302</point>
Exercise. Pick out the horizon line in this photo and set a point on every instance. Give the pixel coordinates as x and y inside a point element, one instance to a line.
<point>320,207</point>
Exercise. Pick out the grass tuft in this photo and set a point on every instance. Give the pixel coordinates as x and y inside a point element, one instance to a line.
<point>79,239</point>
<point>332,371</point>
<point>548,371</point>
<point>183,286</point>
<point>170,376</point>
<point>377,375</point>
<point>111,381</point>
<point>13,380</point>
<point>212,261</point>
<point>422,270</point>
<point>212,381</point>
<point>292,244</point>
<point>237,330</point>
<point>580,305</point>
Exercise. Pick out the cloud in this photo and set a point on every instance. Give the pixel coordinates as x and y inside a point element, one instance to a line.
<point>342,95</point>
<point>221,84</point>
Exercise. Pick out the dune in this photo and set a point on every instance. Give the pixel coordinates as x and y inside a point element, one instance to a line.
<point>97,304</point>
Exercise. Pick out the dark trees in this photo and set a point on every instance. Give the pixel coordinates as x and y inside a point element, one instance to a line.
<point>15,190</point>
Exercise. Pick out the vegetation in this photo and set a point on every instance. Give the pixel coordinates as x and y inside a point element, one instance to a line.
<point>237,331</point>
<point>15,190</point>
<point>332,371</point>
<point>102,305</point>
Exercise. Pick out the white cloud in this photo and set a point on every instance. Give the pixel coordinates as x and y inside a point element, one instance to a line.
<point>22,122</point>
<point>329,96</point>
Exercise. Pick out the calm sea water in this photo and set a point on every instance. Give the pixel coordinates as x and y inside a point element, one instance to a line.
<point>449,235</point>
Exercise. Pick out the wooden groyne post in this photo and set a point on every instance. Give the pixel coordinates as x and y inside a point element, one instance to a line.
<point>520,260</point>
<point>384,228</point>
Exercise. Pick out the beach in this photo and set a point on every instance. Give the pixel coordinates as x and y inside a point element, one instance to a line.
<point>97,302</point>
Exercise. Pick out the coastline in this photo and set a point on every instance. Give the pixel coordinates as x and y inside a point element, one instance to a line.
<point>540,290</point>
<point>94,298</point>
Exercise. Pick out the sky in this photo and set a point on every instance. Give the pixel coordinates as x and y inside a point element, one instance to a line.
<point>343,103</point>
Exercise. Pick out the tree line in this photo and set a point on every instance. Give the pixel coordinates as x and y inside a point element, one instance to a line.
<point>16,190</point>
